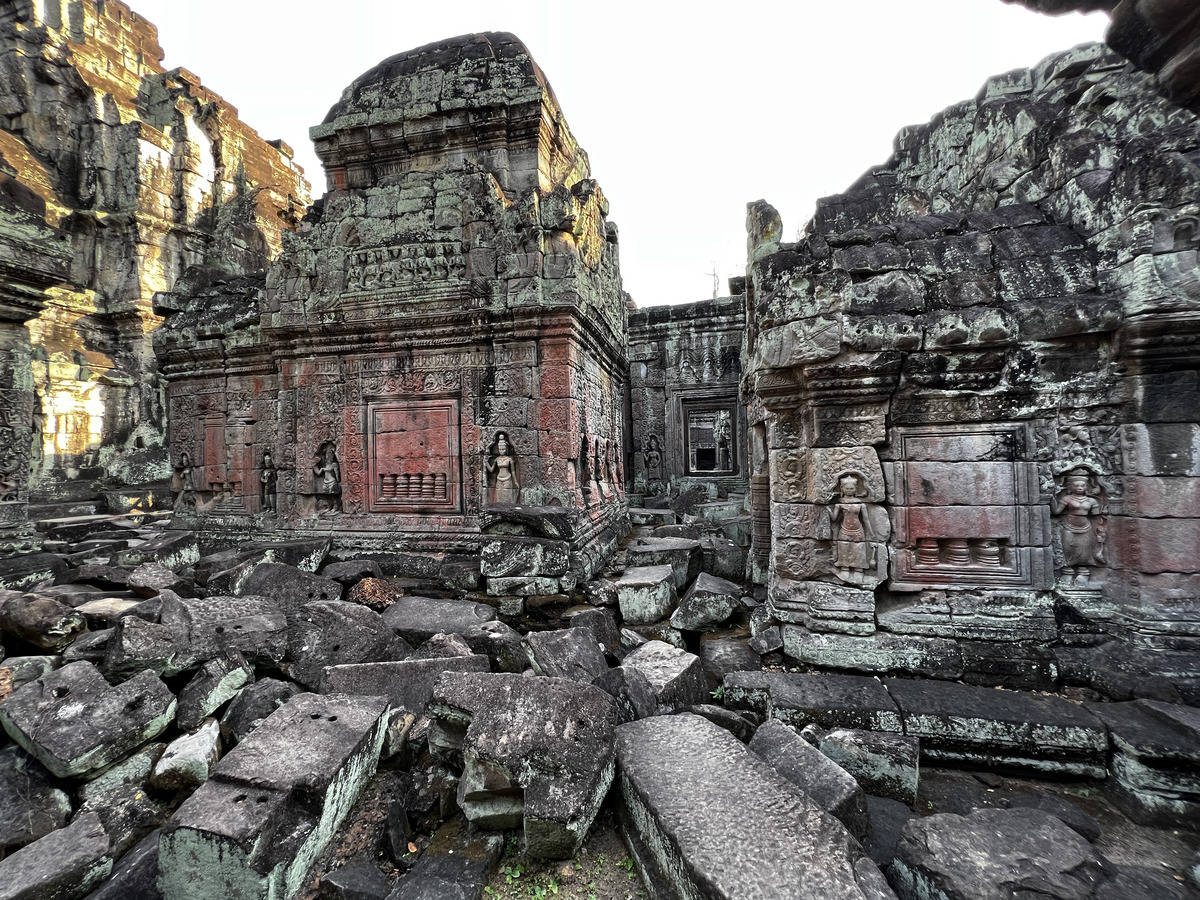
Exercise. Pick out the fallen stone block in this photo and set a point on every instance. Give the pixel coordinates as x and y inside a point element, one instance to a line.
<point>675,676</point>
<point>135,875</point>
<point>722,557</point>
<point>100,613</point>
<point>721,654</point>
<point>737,724</point>
<point>600,622</point>
<point>305,554</point>
<point>252,706</point>
<point>358,879</point>
<point>288,587</point>
<point>417,619</point>
<point>827,784</point>
<point>73,722</point>
<point>993,854</point>
<point>22,573</point>
<point>204,629</point>
<point>16,671</point>
<point>128,813</point>
<point>351,571</point>
<point>135,769</point>
<point>217,681</point>
<point>831,701</point>
<point>886,765</point>
<point>1155,759</point>
<point>631,691</point>
<point>40,621</point>
<point>334,632</point>
<point>645,594</point>
<point>681,554</point>
<point>535,753</point>
<point>703,829</point>
<point>64,865</point>
<point>523,586</point>
<point>643,516</point>
<point>272,805</point>
<point>928,657</point>
<point>708,603</point>
<point>457,863</point>
<point>504,556</point>
<point>151,579</point>
<point>91,646</point>
<point>30,805</point>
<point>136,645</point>
<point>568,653</point>
<point>100,576</point>
<point>407,683</point>
<point>188,760</point>
<point>174,549</point>
<point>963,723</point>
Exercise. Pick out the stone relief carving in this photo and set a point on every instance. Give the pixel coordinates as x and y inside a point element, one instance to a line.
<point>1081,509</point>
<point>380,268</point>
<point>327,479</point>
<point>652,454</point>
<point>183,486</point>
<point>268,484</point>
<point>504,485</point>
<point>855,531</point>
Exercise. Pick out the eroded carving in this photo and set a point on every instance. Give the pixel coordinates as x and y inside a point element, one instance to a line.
<point>1081,508</point>
<point>504,485</point>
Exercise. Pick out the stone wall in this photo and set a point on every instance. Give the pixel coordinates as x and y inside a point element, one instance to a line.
<point>442,343</point>
<point>976,380</point>
<point>687,425</point>
<point>148,172</point>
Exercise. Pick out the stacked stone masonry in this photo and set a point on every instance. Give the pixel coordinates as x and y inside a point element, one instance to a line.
<point>974,383</point>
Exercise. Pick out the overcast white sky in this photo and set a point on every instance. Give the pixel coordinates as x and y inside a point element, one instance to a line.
<point>686,114</point>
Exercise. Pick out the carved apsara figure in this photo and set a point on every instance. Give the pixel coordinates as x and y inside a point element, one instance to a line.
<point>1082,523</point>
<point>853,552</point>
<point>652,454</point>
<point>327,479</point>
<point>268,483</point>
<point>502,471</point>
<point>182,484</point>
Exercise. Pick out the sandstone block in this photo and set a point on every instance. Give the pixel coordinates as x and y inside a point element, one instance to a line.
<point>30,805</point>
<point>886,765</point>
<point>491,725</point>
<point>682,555</point>
<point>297,775</point>
<point>417,619</point>
<point>407,683</point>
<point>645,594</point>
<point>40,621</point>
<point>571,653</point>
<point>64,865</point>
<point>333,632</point>
<point>73,722</point>
<point>708,603</point>
<point>675,676</point>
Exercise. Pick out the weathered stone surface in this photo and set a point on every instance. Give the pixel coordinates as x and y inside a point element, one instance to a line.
<point>357,880</point>
<point>632,691</point>
<point>965,723</point>
<point>601,623</point>
<point>831,701</point>
<point>252,706</point>
<point>994,853</point>
<point>878,652</point>
<point>74,723</point>
<point>1155,758</point>
<point>128,812</point>
<point>645,594</point>
<point>22,573</point>
<point>675,676</point>
<point>721,654</point>
<point>294,778</point>
<point>203,629</point>
<point>176,550</point>
<point>217,682</point>
<point>99,614</point>
<point>704,829</point>
<point>40,621</point>
<point>334,632</point>
<point>134,875</point>
<point>288,587</point>
<point>417,619</point>
<point>188,760</point>
<point>818,776</point>
<point>63,865</point>
<point>136,645</point>
<point>150,579</point>
<point>502,556</point>
<point>491,725</point>
<point>568,653</point>
<point>351,571</point>
<point>407,683</point>
<point>708,603</point>
<point>682,555</point>
<point>457,863</point>
<point>134,770</point>
<point>30,805</point>
<point>886,765</point>
<point>16,671</point>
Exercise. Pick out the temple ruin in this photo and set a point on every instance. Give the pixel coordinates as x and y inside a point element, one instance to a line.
<point>382,546</point>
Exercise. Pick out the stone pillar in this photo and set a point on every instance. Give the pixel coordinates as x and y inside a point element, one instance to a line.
<point>33,257</point>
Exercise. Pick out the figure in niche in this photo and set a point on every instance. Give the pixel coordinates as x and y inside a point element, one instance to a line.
<point>853,552</point>
<point>9,486</point>
<point>327,479</point>
<point>584,464</point>
<point>652,454</point>
<point>268,483</point>
<point>1082,522</point>
<point>182,485</point>
<point>502,471</point>
<point>721,434</point>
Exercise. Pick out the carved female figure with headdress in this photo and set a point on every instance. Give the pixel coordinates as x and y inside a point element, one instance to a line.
<point>1082,521</point>
<point>327,478</point>
<point>502,471</point>
<point>853,552</point>
<point>268,481</point>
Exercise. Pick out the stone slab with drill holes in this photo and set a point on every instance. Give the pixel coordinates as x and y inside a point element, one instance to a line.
<point>831,701</point>
<point>74,722</point>
<point>273,804</point>
<point>706,817</point>
<point>407,683</point>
